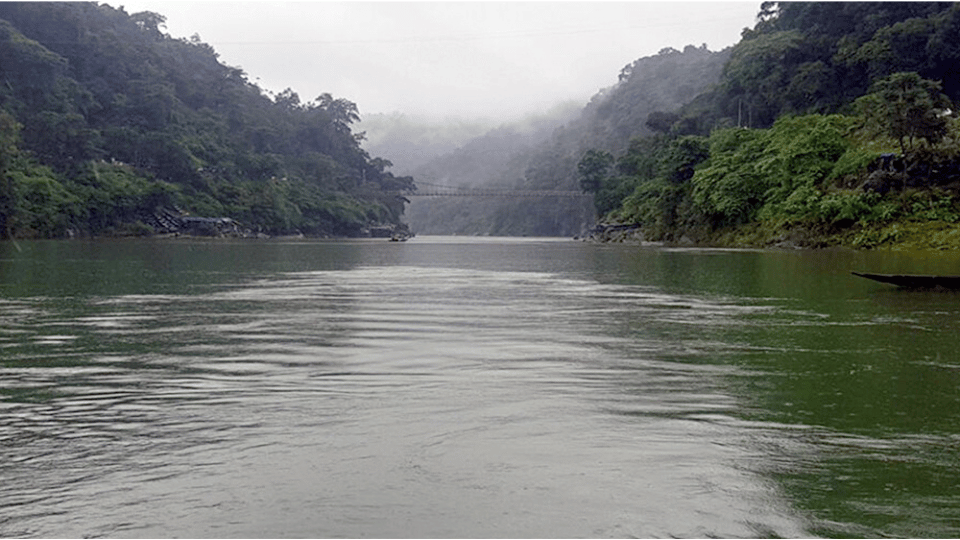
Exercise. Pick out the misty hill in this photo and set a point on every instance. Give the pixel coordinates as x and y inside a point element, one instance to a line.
<point>655,84</point>
<point>545,158</point>
<point>411,141</point>
<point>109,125</point>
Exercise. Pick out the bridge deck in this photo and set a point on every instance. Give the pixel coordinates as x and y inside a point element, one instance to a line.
<point>492,193</point>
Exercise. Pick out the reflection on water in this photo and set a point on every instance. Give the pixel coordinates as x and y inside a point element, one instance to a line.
<point>470,388</point>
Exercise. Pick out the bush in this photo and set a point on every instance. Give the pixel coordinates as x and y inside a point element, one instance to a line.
<point>845,207</point>
<point>728,187</point>
<point>852,162</point>
<point>656,206</point>
<point>45,208</point>
<point>803,151</point>
<point>779,174</point>
<point>934,205</point>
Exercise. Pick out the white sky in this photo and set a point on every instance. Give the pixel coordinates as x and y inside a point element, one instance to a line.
<point>483,59</point>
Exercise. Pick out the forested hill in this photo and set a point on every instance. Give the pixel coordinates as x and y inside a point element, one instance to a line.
<point>832,123</point>
<point>512,157</point>
<point>110,126</point>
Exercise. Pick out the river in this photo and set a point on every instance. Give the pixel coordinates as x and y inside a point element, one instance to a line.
<point>467,387</point>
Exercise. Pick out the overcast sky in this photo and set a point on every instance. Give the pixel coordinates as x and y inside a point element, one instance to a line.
<point>483,59</point>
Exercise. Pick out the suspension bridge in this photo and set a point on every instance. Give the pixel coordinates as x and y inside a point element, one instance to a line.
<point>436,190</point>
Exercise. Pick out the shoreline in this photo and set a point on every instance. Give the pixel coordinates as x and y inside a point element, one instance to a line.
<point>894,236</point>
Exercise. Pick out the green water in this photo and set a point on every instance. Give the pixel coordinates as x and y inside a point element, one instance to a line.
<point>473,387</point>
<point>864,377</point>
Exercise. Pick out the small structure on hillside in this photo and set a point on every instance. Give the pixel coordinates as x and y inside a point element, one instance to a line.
<point>167,221</point>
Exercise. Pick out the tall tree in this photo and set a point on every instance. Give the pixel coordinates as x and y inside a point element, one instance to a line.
<point>593,168</point>
<point>906,108</point>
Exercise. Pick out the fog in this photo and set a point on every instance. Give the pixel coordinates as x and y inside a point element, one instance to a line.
<point>492,61</point>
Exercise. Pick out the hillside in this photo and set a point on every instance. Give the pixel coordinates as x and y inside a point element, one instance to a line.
<point>110,126</point>
<point>829,123</point>
<point>832,124</point>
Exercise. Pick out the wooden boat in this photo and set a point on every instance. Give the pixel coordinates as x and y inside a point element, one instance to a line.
<point>911,281</point>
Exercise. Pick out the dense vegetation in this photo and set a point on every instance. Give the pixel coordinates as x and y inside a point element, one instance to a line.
<point>832,124</point>
<point>828,123</point>
<point>110,126</point>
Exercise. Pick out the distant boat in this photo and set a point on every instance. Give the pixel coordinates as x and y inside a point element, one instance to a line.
<point>911,281</point>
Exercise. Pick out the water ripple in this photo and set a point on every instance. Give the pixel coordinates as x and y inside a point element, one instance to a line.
<point>386,400</point>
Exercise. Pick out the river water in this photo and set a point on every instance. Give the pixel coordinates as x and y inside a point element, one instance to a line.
<point>449,387</point>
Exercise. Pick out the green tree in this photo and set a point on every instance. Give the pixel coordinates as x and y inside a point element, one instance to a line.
<point>661,122</point>
<point>801,151</point>
<point>93,85</point>
<point>728,188</point>
<point>907,108</point>
<point>9,136</point>
<point>342,111</point>
<point>681,156</point>
<point>757,74</point>
<point>896,48</point>
<point>594,166</point>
